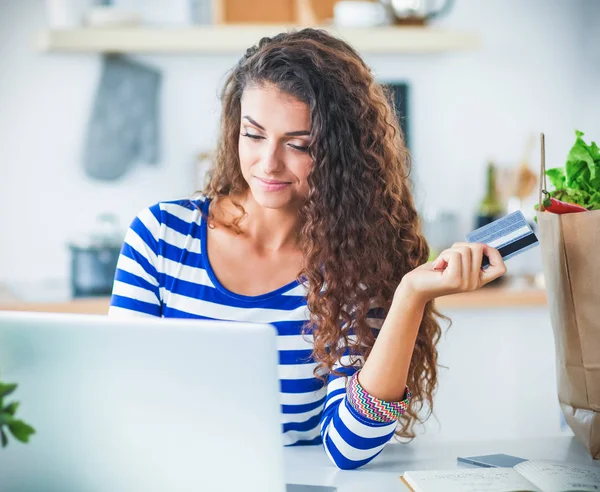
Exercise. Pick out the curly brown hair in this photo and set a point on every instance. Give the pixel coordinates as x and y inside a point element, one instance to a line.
<point>360,232</point>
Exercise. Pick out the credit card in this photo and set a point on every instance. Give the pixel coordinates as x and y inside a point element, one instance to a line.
<point>510,235</point>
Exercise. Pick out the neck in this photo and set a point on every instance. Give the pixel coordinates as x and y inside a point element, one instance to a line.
<point>268,229</point>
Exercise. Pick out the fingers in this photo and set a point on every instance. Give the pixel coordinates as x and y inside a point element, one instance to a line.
<point>477,259</point>
<point>497,267</point>
<point>467,256</point>
<point>454,266</point>
<point>439,264</point>
<point>460,266</point>
<point>473,255</point>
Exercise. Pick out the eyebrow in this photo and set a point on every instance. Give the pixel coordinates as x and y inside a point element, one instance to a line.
<point>299,133</point>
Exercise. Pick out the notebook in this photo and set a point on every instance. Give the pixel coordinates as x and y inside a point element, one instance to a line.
<point>529,476</point>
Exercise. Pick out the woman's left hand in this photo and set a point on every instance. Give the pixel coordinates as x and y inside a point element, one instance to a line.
<point>457,269</point>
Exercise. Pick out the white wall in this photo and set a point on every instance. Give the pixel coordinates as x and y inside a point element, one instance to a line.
<point>590,34</point>
<point>497,377</point>
<point>466,107</point>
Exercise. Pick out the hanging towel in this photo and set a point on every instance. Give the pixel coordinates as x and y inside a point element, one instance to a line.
<point>124,125</point>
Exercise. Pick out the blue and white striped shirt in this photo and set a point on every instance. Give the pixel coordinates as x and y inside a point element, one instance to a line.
<point>164,271</point>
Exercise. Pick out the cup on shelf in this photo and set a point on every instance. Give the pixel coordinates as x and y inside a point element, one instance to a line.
<point>67,14</point>
<point>352,13</point>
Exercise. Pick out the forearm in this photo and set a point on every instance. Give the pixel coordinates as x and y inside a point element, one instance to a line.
<point>350,439</point>
<point>385,372</point>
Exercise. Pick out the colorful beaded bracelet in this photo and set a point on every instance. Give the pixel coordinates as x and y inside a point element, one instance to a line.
<point>374,408</point>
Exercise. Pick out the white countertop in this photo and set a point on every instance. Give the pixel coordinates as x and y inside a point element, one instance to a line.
<point>310,465</point>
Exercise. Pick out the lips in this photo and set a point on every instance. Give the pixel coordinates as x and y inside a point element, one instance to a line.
<point>271,184</point>
<point>272,181</point>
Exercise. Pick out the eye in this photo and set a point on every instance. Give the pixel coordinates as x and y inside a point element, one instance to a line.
<point>252,136</point>
<point>299,148</point>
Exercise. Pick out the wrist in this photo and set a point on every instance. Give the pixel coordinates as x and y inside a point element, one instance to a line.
<point>407,294</point>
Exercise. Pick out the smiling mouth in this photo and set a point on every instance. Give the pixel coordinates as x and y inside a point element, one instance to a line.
<point>272,181</point>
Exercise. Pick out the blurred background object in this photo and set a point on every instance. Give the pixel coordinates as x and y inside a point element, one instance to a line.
<point>524,180</point>
<point>7,295</point>
<point>516,181</point>
<point>124,124</point>
<point>166,13</point>
<point>66,14</point>
<point>490,207</point>
<point>202,11</point>
<point>352,13</point>
<point>317,12</point>
<point>400,97</point>
<point>304,12</point>
<point>110,16</point>
<point>417,12</point>
<point>204,163</point>
<point>439,228</point>
<point>94,255</point>
<point>263,11</point>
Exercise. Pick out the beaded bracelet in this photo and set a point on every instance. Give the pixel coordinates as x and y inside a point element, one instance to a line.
<point>374,408</point>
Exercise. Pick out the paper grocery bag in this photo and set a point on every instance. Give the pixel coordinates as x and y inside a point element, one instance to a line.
<point>570,246</point>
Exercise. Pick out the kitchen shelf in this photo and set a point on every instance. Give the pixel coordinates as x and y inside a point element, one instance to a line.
<point>230,38</point>
<point>494,297</point>
<point>488,297</point>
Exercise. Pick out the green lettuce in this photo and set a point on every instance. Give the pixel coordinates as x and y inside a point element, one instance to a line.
<point>579,181</point>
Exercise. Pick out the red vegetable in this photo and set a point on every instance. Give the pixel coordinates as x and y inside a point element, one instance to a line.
<point>559,207</point>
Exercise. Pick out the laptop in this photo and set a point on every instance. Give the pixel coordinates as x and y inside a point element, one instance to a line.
<point>132,405</point>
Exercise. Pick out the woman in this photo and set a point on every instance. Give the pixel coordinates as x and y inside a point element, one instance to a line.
<point>308,223</point>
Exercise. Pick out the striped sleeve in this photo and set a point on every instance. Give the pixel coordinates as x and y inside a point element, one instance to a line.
<point>350,439</point>
<point>136,286</point>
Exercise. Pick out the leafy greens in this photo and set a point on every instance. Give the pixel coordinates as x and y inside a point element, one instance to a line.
<point>579,181</point>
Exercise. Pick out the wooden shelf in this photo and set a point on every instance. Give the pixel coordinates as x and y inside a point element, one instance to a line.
<point>230,38</point>
<point>489,297</point>
<point>92,305</point>
<point>494,297</point>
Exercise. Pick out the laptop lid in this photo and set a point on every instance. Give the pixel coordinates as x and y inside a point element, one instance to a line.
<point>141,404</point>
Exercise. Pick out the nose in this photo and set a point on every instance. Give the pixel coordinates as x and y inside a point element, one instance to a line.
<point>270,161</point>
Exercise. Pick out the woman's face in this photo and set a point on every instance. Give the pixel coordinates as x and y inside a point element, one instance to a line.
<point>273,146</point>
